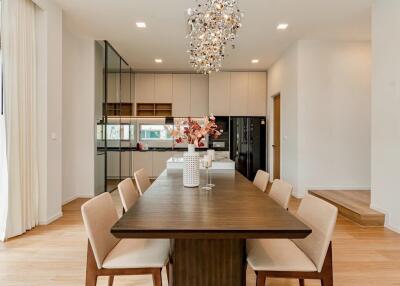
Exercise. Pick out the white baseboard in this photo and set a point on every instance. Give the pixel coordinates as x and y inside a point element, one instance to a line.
<point>388,224</point>
<point>51,219</point>
<point>339,188</point>
<point>66,201</point>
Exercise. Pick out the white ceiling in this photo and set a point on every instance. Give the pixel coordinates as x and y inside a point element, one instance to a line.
<point>165,35</point>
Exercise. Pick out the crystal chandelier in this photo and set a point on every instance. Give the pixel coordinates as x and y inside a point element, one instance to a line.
<point>212,25</point>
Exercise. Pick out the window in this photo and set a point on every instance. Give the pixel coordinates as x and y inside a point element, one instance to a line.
<point>117,132</point>
<point>155,132</point>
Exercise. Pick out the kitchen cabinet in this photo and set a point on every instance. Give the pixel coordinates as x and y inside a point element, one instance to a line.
<point>113,87</point>
<point>181,95</point>
<point>126,169</point>
<point>162,88</point>
<point>219,93</point>
<point>125,87</point>
<point>113,158</point>
<point>143,160</point>
<point>239,93</point>
<point>198,95</point>
<point>160,161</point>
<point>144,87</point>
<point>257,97</point>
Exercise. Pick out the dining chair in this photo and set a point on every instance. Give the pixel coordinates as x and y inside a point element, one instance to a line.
<point>109,256</point>
<point>261,180</point>
<point>127,193</point>
<point>308,258</point>
<point>142,180</point>
<point>281,192</point>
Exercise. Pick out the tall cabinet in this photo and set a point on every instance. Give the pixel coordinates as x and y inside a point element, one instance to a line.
<point>238,93</point>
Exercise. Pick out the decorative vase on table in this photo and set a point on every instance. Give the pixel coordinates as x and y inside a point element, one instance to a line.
<point>191,167</point>
<point>192,132</point>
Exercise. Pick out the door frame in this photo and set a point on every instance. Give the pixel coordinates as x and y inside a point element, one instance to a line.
<point>273,135</point>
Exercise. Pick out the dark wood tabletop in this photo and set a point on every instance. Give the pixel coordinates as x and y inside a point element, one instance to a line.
<point>234,209</point>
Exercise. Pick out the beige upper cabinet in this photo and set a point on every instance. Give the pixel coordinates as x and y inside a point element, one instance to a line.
<point>181,95</point>
<point>125,87</point>
<point>113,87</point>
<point>198,95</point>
<point>257,99</point>
<point>144,87</point>
<point>219,93</point>
<point>239,93</point>
<point>163,88</point>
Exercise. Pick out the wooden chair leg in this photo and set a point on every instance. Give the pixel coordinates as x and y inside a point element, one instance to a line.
<point>91,268</point>
<point>327,268</point>
<point>157,281</point>
<point>261,276</point>
<point>301,282</point>
<point>110,280</point>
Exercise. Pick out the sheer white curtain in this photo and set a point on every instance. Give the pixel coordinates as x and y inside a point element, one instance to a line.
<point>19,73</point>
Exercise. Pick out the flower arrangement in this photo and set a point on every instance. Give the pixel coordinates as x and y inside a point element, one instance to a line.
<point>194,133</point>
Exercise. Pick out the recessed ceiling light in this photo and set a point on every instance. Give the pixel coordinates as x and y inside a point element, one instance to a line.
<point>159,61</point>
<point>141,24</point>
<point>282,26</point>
<point>255,61</point>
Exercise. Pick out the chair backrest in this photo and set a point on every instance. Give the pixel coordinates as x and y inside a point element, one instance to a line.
<point>320,216</point>
<point>261,180</point>
<point>127,193</point>
<point>142,180</point>
<point>99,215</point>
<point>281,192</point>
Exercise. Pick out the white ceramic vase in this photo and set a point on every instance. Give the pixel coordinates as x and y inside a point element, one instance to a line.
<point>191,167</point>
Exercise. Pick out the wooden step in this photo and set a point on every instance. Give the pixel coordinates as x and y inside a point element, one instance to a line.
<point>353,204</point>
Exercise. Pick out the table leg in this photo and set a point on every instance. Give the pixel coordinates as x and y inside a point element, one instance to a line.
<point>209,262</point>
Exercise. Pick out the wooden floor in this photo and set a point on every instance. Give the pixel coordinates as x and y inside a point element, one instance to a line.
<point>55,255</point>
<point>354,205</point>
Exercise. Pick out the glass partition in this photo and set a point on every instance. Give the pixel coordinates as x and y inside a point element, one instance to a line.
<point>115,128</point>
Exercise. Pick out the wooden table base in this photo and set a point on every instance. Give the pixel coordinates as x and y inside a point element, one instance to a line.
<point>209,262</point>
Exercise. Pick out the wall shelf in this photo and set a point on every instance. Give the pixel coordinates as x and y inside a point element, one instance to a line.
<point>154,109</point>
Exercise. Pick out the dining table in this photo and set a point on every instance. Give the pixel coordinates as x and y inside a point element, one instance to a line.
<point>208,229</point>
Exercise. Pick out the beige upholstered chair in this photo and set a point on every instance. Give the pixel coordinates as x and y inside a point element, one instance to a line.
<point>281,192</point>
<point>109,256</point>
<point>127,193</point>
<point>261,180</point>
<point>308,258</point>
<point>142,181</point>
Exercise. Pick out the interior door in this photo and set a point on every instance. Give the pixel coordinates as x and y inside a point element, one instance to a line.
<point>276,146</point>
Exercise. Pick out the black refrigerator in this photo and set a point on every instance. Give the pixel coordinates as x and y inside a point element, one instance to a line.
<point>248,137</point>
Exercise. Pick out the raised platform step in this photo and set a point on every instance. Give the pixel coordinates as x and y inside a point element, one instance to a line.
<point>354,205</point>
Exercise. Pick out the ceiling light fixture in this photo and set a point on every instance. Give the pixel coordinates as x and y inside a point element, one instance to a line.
<point>255,61</point>
<point>282,26</point>
<point>159,61</point>
<point>141,24</point>
<point>213,24</point>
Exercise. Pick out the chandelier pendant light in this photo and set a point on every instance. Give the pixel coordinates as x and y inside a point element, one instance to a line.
<point>213,25</point>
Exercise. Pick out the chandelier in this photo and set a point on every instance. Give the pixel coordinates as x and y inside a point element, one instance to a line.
<point>212,26</point>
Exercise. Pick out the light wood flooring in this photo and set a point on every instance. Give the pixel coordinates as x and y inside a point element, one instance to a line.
<point>353,204</point>
<point>55,255</point>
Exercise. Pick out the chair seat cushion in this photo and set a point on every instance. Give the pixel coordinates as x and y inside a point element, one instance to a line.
<point>277,255</point>
<point>138,253</point>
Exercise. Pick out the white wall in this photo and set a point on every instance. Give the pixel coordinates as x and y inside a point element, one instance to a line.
<point>49,42</point>
<point>385,137</point>
<point>78,120</point>
<point>283,80</point>
<point>334,115</point>
<point>325,101</point>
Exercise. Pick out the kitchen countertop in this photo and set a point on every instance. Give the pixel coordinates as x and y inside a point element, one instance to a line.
<point>218,164</point>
